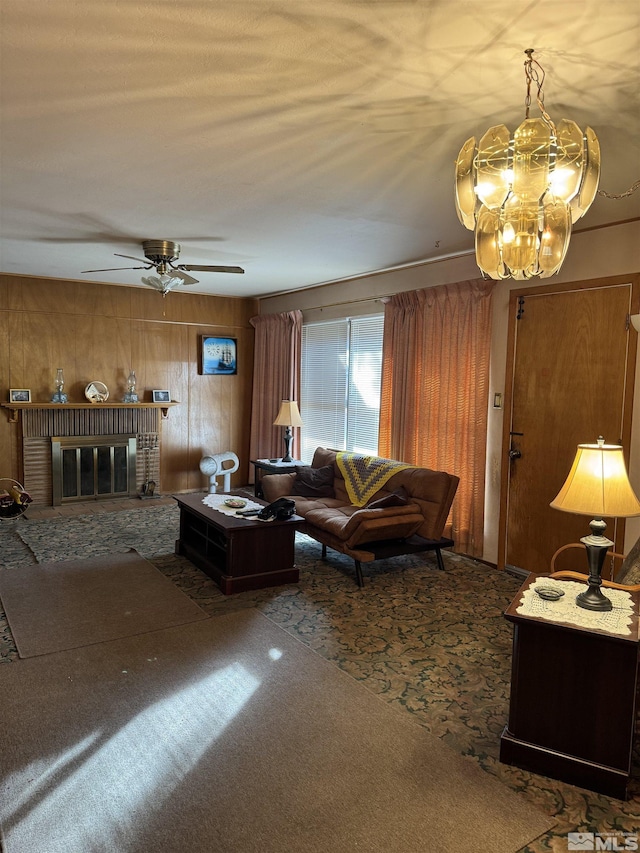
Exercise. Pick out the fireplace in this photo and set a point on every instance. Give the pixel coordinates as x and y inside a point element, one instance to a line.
<point>93,467</point>
<point>103,449</point>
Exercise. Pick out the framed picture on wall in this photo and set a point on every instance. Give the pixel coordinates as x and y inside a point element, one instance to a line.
<point>218,355</point>
<point>19,395</point>
<point>161,396</point>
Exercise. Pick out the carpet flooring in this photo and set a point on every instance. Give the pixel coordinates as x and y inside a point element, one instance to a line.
<point>230,735</point>
<point>434,645</point>
<point>55,606</point>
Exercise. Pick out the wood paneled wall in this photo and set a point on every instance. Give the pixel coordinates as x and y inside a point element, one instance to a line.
<point>99,331</point>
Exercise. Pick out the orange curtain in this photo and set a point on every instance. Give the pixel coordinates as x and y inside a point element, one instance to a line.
<point>435,387</point>
<point>276,377</point>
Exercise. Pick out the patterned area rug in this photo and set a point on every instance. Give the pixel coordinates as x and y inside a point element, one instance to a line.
<point>434,644</point>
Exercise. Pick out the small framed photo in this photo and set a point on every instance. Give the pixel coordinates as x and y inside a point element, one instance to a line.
<point>19,395</point>
<point>161,396</point>
<point>218,356</point>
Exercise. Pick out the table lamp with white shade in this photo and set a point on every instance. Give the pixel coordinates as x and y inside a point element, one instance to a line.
<point>597,485</point>
<point>288,416</point>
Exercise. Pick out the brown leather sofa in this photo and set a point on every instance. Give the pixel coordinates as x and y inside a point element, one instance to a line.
<point>412,523</point>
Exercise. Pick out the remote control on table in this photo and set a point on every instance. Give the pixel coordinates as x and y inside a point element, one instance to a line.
<point>246,512</point>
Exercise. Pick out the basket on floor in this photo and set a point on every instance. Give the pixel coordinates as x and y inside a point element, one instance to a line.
<point>14,500</point>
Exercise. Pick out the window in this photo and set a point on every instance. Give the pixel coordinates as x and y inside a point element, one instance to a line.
<point>340,384</point>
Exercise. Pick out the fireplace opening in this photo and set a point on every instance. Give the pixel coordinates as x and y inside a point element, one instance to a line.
<point>93,467</point>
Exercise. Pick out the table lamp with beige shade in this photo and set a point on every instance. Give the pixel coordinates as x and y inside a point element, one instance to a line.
<point>288,416</point>
<point>597,485</point>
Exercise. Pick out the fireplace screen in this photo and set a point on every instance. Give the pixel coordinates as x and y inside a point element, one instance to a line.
<point>93,467</point>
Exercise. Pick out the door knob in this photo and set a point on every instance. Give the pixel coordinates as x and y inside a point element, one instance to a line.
<point>514,454</point>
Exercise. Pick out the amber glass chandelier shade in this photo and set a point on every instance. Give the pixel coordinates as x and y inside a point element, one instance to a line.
<point>590,176</point>
<point>597,484</point>
<point>520,192</point>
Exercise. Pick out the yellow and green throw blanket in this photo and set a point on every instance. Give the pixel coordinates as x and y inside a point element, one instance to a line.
<point>364,475</point>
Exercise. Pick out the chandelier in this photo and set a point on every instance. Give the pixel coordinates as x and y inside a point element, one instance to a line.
<point>521,192</point>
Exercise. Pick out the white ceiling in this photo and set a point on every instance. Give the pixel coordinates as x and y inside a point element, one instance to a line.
<point>305,140</point>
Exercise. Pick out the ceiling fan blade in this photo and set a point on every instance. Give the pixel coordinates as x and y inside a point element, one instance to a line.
<point>186,278</point>
<point>131,258</point>
<point>201,268</point>
<point>113,269</point>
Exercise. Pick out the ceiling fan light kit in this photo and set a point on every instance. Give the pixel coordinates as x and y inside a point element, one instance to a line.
<point>161,255</point>
<point>164,283</point>
<point>521,192</point>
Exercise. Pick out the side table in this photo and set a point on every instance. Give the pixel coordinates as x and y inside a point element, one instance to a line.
<point>271,466</point>
<point>573,701</point>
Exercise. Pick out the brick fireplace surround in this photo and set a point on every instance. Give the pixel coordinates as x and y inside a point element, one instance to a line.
<point>42,422</point>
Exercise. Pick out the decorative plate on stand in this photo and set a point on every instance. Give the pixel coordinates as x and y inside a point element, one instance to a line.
<point>96,392</point>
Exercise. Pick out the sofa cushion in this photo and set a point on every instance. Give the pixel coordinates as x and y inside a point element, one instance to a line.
<point>323,457</point>
<point>305,505</point>
<point>350,524</point>
<point>399,497</point>
<point>313,482</point>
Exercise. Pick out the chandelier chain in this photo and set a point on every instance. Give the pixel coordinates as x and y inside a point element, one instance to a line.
<point>534,72</point>
<point>625,194</point>
<point>535,75</point>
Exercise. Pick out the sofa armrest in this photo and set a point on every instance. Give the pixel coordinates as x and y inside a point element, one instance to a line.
<point>276,486</point>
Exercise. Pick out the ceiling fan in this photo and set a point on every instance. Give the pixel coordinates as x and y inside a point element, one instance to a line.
<point>161,254</point>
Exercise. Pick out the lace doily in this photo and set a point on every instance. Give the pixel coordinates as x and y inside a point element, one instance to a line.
<point>216,502</point>
<point>565,609</point>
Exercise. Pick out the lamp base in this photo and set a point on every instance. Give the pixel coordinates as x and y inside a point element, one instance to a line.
<point>594,599</point>
<point>288,435</point>
<point>597,546</point>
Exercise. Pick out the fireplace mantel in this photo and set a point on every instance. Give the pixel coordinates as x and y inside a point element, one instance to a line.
<point>14,408</point>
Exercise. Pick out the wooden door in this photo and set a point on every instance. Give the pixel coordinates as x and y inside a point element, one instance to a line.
<point>572,381</point>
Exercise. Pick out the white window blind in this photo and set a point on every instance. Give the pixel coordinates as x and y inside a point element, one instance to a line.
<point>340,384</point>
<point>365,369</point>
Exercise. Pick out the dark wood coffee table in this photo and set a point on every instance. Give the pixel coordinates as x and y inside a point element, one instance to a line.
<point>237,553</point>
